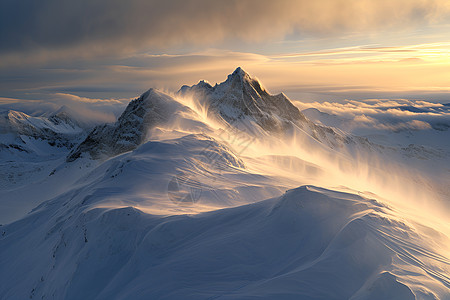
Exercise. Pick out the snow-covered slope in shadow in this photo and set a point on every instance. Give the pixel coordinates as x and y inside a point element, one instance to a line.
<point>31,147</point>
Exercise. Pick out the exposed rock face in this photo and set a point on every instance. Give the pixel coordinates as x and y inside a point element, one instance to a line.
<point>150,109</point>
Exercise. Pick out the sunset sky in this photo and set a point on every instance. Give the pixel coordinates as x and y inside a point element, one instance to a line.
<point>320,50</point>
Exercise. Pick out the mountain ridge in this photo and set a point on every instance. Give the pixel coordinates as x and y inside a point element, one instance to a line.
<point>240,101</point>
<point>152,108</point>
<point>240,96</point>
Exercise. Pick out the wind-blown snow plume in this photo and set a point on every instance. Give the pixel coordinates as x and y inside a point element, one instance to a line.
<point>352,161</point>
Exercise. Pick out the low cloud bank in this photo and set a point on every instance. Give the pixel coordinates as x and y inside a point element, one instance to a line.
<point>395,115</point>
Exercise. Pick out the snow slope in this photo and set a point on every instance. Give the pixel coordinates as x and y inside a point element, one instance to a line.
<point>30,150</point>
<point>308,244</point>
<point>32,145</point>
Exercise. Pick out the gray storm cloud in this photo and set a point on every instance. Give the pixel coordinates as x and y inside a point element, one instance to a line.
<point>88,28</point>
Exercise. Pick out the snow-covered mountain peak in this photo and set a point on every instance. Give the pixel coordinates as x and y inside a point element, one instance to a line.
<point>13,117</point>
<point>17,122</point>
<point>204,83</point>
<point>243,102</point>
<point>240,102</point>
<point>239,71</point>
<point>65,115</point>
<point>151,109</point>
<point>241,81</point>
<point>149,101</point>
<point>12,114</point>
<point>240,74</point>
<point>28,138</point>
<point>242,97</point>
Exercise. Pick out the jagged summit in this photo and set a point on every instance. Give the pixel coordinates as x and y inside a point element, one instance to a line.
<point>240,71</point>
<point>240,77</point>
<point>240,74</point>
<point>151,109</point>
<point>66,115</point>
<point>241,97</point>
<point>241,101</point>
<point>17,122</point>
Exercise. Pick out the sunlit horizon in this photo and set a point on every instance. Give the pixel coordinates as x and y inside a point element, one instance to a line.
<point>321,51</point>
